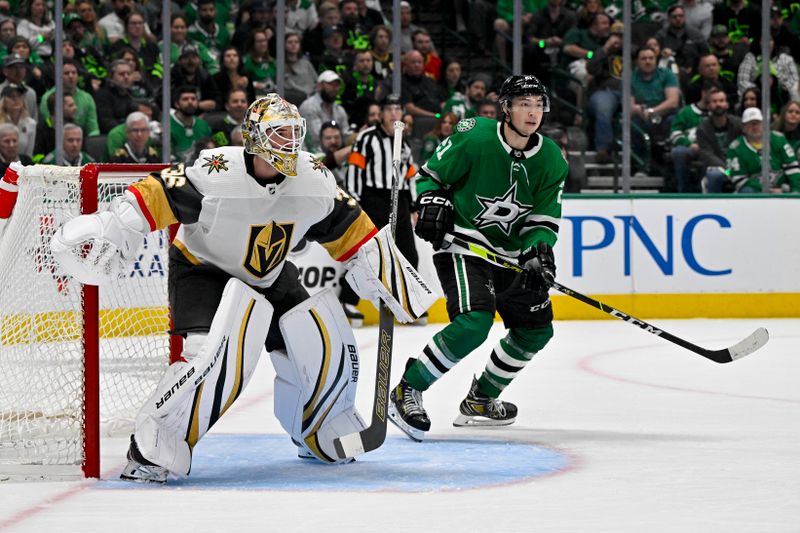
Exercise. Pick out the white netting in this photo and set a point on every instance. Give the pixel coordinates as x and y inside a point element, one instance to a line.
<point>41,321</point>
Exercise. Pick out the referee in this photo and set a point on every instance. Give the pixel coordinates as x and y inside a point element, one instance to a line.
<point>369,180</point>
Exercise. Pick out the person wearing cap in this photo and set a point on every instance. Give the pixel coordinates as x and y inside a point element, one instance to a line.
<point>714,135</point>
<point>179,38</point>
<point>744,158</point>
<point>782,33</point>
<point>114,100</point>
<point>465,105</point>
<point>74,156</point>
<point>188,71</point>
<point>313,42</point>
<point>334,56</point>
<point>369,181</point>
<point>407,28</point>
<point>321,107</point>
<point>741,17</point>
<point>14,71</point>
<point>730,54</point>
<point>685,43</point>
<point>92,63</point>
<point>14,111</point>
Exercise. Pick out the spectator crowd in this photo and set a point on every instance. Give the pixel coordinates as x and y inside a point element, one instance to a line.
<point>696,116</point>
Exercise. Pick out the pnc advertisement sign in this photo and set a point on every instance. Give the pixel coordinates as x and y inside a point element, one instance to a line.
<point>679,246</point>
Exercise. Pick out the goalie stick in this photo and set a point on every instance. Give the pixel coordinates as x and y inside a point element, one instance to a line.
<point>373,436</point>
<point>748,345</point>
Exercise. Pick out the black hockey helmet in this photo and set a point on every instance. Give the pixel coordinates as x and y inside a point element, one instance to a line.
<point>522,85</point>
<point>390,99</point>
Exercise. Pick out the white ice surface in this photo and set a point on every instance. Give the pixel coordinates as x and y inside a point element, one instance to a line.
<point>659,439</point>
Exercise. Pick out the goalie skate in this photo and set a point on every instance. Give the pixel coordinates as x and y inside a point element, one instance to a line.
<point>140,469</point>
<point>480,410</point>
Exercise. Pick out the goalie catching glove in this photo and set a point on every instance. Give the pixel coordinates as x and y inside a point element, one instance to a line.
<point>540,267</point>
<point>435,217</point>
<point>379,271</point>
<point>96,248</point>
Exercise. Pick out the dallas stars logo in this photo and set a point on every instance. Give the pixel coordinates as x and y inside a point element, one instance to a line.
<point>501,211</point>
<point>216,163</point>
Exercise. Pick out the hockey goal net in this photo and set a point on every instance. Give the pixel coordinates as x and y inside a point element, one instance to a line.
<point>75,361</point>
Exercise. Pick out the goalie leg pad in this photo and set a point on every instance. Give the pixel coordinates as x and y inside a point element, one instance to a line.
<point>316,378</point>
<point>194,394</point>
<point>379,271</point>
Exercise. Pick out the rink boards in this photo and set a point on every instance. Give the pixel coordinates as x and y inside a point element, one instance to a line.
<point>719,256</point>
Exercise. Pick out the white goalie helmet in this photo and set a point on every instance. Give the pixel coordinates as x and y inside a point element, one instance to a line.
<point>274,130</point>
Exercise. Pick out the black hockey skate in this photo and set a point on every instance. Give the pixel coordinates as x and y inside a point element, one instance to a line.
<point>140,469</point>
<point>480,410</point>
<point>406,411</point>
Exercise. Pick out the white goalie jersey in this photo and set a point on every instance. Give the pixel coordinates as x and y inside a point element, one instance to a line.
<point>247,228</point>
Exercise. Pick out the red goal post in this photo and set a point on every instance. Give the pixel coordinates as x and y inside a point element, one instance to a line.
<point>75,361</point>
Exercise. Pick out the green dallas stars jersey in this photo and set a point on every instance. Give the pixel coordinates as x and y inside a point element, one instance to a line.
<point>683,131</point>
<point>744,163</point>
<point>506,199</point>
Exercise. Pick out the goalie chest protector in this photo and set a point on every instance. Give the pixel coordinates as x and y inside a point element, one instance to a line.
<point>246,228</point>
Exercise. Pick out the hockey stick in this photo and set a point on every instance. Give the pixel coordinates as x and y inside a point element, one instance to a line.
<point>750,344</point>
<point>372,437</point>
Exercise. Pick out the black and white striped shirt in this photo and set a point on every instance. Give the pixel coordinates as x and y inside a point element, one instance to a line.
<point>370,162</point>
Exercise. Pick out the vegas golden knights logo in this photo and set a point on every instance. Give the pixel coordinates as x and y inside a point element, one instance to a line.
<point>267,247</point>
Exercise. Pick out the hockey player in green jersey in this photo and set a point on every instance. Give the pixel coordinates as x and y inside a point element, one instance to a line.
<point>497,184</point>
<point>744,158</point>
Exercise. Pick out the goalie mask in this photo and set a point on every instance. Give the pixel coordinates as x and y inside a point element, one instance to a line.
<point>274,130</point>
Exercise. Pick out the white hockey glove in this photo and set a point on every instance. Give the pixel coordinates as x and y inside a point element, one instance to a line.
<point>96,248</point>
<point>379,271</point>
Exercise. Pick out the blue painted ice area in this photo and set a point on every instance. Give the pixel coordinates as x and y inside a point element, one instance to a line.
<point>269,462</point>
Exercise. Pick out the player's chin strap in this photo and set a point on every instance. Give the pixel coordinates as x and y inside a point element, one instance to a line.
<point>511,125</point>
<point>750,344</point>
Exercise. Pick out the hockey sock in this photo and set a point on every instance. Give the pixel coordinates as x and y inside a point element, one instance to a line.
<point>510,356</point>
<point>465,333</point>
